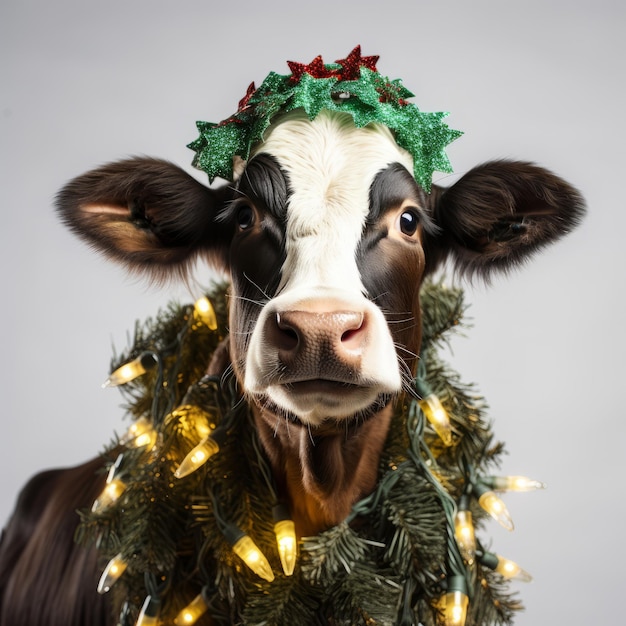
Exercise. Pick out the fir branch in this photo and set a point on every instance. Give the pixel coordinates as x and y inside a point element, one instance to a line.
<point>332,553</point>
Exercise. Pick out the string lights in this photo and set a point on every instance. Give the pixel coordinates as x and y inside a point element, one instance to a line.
<point>209,446</point>
<point>493,505</point>
<point>456,601</point>
<point>131,370</point>
<point>513,483</point>
<point>149,613</point>
<point>140,434</point>
<point>245,548</point>
<point>211,422</point>
<point>285,531</point>
<point>192,612</point>
<point>434,411</point>
<point>114,487</point>
<point>194,422</point>
<point>204,311</point>
<point>505,567</point>
<point>464,530</point>
<point>114,569</point>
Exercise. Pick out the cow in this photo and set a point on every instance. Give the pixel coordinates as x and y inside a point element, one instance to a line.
<point>326,233</point>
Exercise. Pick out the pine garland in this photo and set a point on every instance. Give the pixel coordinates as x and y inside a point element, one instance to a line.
<point>386,564</point>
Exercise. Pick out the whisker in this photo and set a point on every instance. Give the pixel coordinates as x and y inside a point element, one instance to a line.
<point>251,300</point>
<point>257,286</point>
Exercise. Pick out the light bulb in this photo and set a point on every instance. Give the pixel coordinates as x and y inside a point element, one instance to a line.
<point>456,601</point>
<point>205,312</point>
<point>149,614</point>
<point>491,503</point>
<point>140,434</point>
<point>147,439</point>
<point>250,554</point>
<point>114,569</point>
<point>505,567</point>
<point>465,536</point>
<point>197,457</point>
<point>285,531</point>
<point>191,420</point>
<point>192,612</point>
<point>437,416</point>
<point>113,469</point>
<point>110,494</point>
<point>131,370</point>
<point>513,483</point>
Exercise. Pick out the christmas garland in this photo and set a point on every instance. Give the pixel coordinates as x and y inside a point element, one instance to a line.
<point>170,545</point>
<point>351,85</point>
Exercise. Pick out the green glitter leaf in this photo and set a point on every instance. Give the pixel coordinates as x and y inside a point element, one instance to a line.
<point>372,98</point>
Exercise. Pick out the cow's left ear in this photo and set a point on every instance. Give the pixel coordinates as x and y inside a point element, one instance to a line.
<point>498,214</point>
<point>149,215</point>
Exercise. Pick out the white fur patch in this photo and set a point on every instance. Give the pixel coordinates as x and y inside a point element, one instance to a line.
<point>331,165</point>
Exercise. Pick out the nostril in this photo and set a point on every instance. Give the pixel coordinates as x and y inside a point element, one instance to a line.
<point>353,336</point>
<point>286,335</point>
<point>349,335</point>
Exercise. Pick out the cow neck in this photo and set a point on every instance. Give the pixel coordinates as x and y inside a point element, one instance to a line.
<point>322,472</point>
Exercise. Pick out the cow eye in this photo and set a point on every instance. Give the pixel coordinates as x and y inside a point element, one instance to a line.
<point>409,221</point>
<point>245,216</point>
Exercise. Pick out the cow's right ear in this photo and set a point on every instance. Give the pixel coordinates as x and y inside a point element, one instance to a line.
<point>148,214</point>
<point>498,215</point>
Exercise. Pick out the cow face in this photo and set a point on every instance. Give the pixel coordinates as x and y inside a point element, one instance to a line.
<point>327,238</point>
<point>321,259</point>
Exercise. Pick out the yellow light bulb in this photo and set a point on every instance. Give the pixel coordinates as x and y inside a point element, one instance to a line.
<point>192,612</point>
<point>131,370</point>
<point>140,434</point>
<point>114,569</point>
<point>514,483</point>
<point>510,569</point>
<point>110,494</point>
<point>250,554</point>
<point>139,426</point>
<point>465,536</point>
<point>147,439</point>
<point>287,544</point>
<point>205,312</point>
<point>491,503</point>
<point>149,614</point>
<point>191,420</point>
<point>456,601</point>
<point>438,417</point>
<point>505,567</point>
<point>197,457</point>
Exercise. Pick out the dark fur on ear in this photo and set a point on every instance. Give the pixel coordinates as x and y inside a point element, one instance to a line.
<point>147,213</point>
<point>499,214</point>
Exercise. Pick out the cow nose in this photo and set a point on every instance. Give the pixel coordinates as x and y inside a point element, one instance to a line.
<point>308,340</point>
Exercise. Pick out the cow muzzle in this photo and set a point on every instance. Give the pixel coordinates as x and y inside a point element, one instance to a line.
<point>321,358</point>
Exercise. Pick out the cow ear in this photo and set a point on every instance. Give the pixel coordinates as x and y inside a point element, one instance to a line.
<point>498,214</point>
<point>148,214</point>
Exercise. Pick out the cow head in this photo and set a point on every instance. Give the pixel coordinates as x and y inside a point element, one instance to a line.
<point>327,238</point>
<point>327,235</point>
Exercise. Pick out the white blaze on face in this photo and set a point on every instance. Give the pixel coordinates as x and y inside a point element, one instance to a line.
<point>330,165</point>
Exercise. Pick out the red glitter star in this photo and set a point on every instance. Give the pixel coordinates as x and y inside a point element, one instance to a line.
<point>315,68</point>
<point>354,61</point>
<point>243,103</point>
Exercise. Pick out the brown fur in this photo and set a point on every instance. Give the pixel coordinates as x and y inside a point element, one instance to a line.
<point>45,578</point>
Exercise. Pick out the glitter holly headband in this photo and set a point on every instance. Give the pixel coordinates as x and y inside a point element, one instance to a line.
<point>352,85</point>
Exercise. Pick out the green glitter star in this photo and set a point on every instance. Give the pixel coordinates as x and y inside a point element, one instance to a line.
<point>315,87</point>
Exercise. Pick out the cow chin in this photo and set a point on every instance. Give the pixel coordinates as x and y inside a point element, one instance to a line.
<point>322,404</point>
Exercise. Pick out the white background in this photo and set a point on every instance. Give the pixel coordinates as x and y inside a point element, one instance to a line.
<point>86,82</point>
